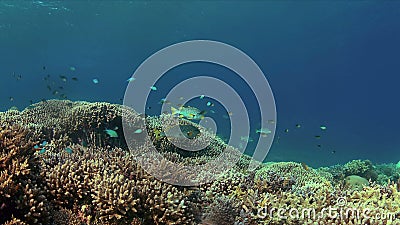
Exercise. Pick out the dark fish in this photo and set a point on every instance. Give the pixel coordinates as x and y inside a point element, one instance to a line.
<point>305,167</point>
<point>333,151</point>
<point>44,68</point>
<point>69,150</point>
<point>18,77</point>
<point>286,130</point>
<point>317,136</point>
<point>319,146</point>
<point>298,125</point>
<point>74,79</point>
<point>84,143</point>
<point>63,78</point>
<point>48,87</point>
<point>61,87</point>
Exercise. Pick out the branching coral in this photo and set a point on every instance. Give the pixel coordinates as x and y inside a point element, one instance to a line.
<point>222,211</point>
<point>21,190</point>
<point>99,180</point>
<point>65,217</point>
<point>114,189</point>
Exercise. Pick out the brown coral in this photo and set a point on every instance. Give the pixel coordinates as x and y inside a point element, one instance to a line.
<point>99,180</point>
<point>21,190</point>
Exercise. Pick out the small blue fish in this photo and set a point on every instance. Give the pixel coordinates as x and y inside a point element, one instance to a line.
<point>111,133</point>
<point>153,88</point>
<point>36,147</point>
<point>95,81</point>
<point>138,131</point>
<point>210,104</point>
<point>263,131</point>
<point>68,150</point>
<point>84,143</point>
<point>44,143</point>
<point>43,150</point>
<point>63,78</point>
<point>202,96</point>
<point>164,101</point>
<point>131,79</point>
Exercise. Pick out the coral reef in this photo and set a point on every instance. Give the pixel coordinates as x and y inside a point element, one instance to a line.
<point>65,217</point>
<point>356,182</point>
<point>222,211</point>
<point>387,173</point>
<point>21,189</point>
<point>304,178</point>
<point>83,176</point>
<point>362,168</point>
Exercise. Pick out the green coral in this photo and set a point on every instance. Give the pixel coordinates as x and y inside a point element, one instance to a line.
<point>362,168</point>
<point>355,182</point>
<point>387,172</point>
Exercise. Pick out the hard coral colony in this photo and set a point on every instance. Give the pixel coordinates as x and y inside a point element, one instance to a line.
<point>99,182</point>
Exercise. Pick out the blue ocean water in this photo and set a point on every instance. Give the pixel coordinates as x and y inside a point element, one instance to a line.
<point>328,63</point>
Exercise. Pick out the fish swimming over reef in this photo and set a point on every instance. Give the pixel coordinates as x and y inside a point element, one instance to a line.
<point>176,132</point>
<point>111,133</point>
<point>188,112</point>
<point>263,131</point>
